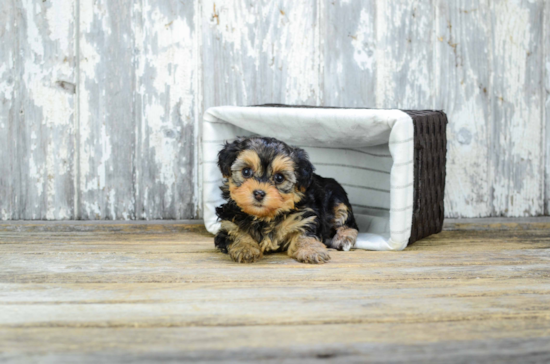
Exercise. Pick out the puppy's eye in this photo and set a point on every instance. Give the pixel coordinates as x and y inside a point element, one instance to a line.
<point>247,172</point>
<point>279,178</point>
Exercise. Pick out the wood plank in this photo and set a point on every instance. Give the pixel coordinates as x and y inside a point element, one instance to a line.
<point>546,100</point>
<point>103,226</point>
<point>265,52</point>
<point>165,95</point>
<point>37,114</point>
<point>10,68</point>
<point>517,133</point>
<point>349,49</point>
<point>448,342</point>
<point>498,223</point>
<point>541,223</point>
<point>195,304</point>
<point>192,241</point>
<point>463,85</point>
<point>109,267</point>
<point>404,62</point>
<point>107,111</point>
<point>358,258</point>
<point>129,293</point>
<point>151,293</point>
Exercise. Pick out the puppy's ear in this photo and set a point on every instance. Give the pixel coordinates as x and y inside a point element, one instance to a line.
<point>228,155</point>
<point>304,168</point>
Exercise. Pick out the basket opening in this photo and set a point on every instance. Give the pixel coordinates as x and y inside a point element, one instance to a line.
<point>370,152</point>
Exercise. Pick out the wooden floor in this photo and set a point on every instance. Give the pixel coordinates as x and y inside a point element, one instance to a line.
<point>85,293</point>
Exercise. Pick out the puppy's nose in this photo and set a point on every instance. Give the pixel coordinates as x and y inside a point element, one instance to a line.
<point>259,195</point>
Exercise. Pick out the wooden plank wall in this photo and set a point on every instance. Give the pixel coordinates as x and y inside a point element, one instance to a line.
<point>546,96</point>
<point>100,101</point>
<point>37,98</point>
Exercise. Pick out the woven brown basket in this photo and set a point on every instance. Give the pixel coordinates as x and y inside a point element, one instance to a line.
<point>430,151</point>
<point>430,156</point>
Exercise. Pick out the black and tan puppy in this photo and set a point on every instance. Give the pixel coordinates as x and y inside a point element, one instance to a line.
<point>275,203</point>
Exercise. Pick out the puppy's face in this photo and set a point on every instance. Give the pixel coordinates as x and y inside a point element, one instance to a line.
<point>265,176</point>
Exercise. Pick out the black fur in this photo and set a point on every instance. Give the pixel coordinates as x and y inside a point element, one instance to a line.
<point>321,195</point>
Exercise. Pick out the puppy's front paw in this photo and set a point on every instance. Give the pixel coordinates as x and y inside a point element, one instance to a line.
<point>344,239</point>
<point>245,253</point>
<point>313,256</point>
<point>311,251</point>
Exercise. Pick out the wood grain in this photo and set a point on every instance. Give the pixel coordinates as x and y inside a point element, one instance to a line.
<point>37,87</point>
<point>194,304</point>
<point>378,343</point>
<point>160,292</point>
<point>546,100</point>
<point>404,34</point>
<point>107,132</point>
<point>517,130</point>
<point>165,63</point>
<point>138,115</point>
<point>100,102</point>
<point>260,52</point>
<point>10,171</point>
<point>349,48</point>
<point>464,83</point>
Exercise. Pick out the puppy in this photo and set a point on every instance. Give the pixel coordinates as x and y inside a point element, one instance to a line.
<point>276,203</point>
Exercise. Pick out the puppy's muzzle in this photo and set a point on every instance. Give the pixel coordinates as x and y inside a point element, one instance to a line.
<point>259,195</point>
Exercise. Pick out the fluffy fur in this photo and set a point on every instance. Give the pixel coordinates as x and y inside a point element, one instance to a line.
<point>276,203</point>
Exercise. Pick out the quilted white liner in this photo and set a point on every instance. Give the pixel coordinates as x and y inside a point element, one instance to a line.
<point>369,151</point>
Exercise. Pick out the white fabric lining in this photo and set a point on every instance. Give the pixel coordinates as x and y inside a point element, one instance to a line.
<point>378,153</point>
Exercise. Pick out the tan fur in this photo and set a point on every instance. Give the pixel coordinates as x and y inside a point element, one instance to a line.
<point>273,204</point>
<point>275,201</point>
<point>282,164</point>
<point>344,239</point>
<point>267,244</point>
<point>341,214</point>
<point>243,195</point>
<point>307,249</point>
<point>229,226</point>
<point>290,200</point>
<point>244,249</point>
<point>251,159</point>
<point>291,225</point>
<point>283,233</point>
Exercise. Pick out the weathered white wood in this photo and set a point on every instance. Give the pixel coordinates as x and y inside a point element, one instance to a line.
<point>349,50</point>
<point>259,52</point>
<point>37,109</point>
<point>404,61</point>
<point>107,111</point>
<point>463,88</point>
<point>9,105</point>
<point>164,34</point>
<point>546,100</point>
<point>141,93</point>
<point>517,134</point>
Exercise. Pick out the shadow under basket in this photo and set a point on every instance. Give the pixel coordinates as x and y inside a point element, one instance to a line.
<point>390,162</point>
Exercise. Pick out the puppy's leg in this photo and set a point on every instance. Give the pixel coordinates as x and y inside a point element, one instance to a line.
<point>307,249</point>
<point>344,239</point>
<point>345,236</point>
<point>242,248</point>
<point>222,241</point>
